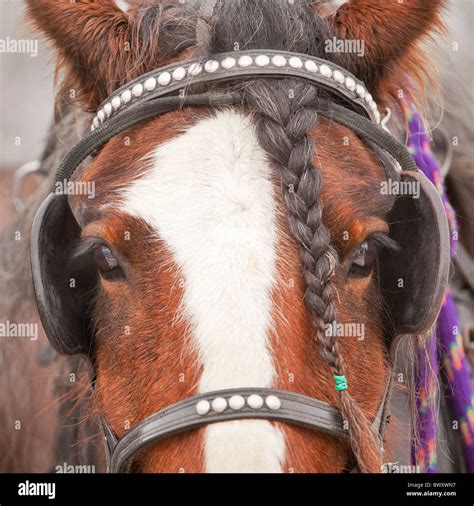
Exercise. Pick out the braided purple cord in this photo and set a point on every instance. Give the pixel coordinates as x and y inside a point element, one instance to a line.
<point>454,366</point>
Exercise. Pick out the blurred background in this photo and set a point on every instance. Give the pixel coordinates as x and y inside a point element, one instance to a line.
<point>26,99</point>
<point>26,90</point>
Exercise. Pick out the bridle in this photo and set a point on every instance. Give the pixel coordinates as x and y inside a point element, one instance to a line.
<point>226,405</point>
<point>170,88</point>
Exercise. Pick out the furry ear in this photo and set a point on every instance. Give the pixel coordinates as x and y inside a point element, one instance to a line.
<point>390,31</point>
<point>91,39</point>
<point>102,44</point>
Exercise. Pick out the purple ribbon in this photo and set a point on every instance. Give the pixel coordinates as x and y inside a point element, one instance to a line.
<point>445,345</point>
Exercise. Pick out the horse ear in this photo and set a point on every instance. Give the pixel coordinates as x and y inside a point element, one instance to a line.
<point>91,39</point>
<point>104,43</point>
<point>390,31</point>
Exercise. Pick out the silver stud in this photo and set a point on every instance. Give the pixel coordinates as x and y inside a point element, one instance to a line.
<point>203,407</point>
<point>338,76</point>
<point>255,401</point>
<point>179,73</point>
<point>360,90</point>
<point>108,109</point>
<point>92,128</point>
<point>236,402</point>
<point>150,84</point>
<point>116,102</point>
<point>137,90</point>
<point>126,96</point>
<point>211,66</point>
<point>377,116</point>
<point>195,69</point>
<point>273,402</point>
<point>96,122</point>
<point>164,78</point>
<point>350,84</point>
<point>295,62</point>
<point>279,61</point>
<point>325,70</point>
<point>373,105</point>
<point>219,404</point>
<point>245,61</point>
<point>101,115</point>
<point>310,66</point>
<point>368,98</point>
<point>228,63</point>
<point>262,60</point>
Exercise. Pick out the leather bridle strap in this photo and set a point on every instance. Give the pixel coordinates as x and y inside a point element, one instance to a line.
<point>383,414</point>
<point>142,111</point>
<point>277,405</point>
<point>267,404</point>
<point>371,133</point>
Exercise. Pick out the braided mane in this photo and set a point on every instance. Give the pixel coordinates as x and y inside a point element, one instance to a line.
<point>284,131</point>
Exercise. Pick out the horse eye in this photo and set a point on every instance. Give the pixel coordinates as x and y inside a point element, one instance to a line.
<point>364,259</point>
<point>104,258</point>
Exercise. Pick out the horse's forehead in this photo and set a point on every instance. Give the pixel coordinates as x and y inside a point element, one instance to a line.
<point>196,146</point>
<point>217,160</point>
<point>210,187</point>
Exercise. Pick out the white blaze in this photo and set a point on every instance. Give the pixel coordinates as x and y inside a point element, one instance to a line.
<point>209,196</point>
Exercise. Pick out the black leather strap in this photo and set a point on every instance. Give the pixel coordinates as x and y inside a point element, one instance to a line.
<point>383,414</point>
<point>371,133</point>
<point>295,408</point>
<point>143,111</point>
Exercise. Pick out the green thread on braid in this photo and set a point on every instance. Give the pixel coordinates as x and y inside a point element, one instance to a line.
<point>341,382</point>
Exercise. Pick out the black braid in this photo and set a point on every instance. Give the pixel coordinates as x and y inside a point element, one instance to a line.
<point>283,127</point>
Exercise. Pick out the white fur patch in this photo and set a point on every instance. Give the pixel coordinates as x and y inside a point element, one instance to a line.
<point>209,196</point>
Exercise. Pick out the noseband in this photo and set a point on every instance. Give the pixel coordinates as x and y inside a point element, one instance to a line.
<point>170,88</point>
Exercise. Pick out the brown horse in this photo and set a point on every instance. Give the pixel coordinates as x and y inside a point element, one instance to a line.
<point>209,277</point>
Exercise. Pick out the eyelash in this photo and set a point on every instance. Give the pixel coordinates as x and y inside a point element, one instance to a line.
<point>85,248</point>
<point>379,241</point>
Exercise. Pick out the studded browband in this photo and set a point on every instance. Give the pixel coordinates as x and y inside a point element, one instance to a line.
<point>222,406</point>
<point>230,66</point>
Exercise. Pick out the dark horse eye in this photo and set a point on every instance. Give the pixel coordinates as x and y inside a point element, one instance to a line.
<point>104,258</point>
<point>364,259</point>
